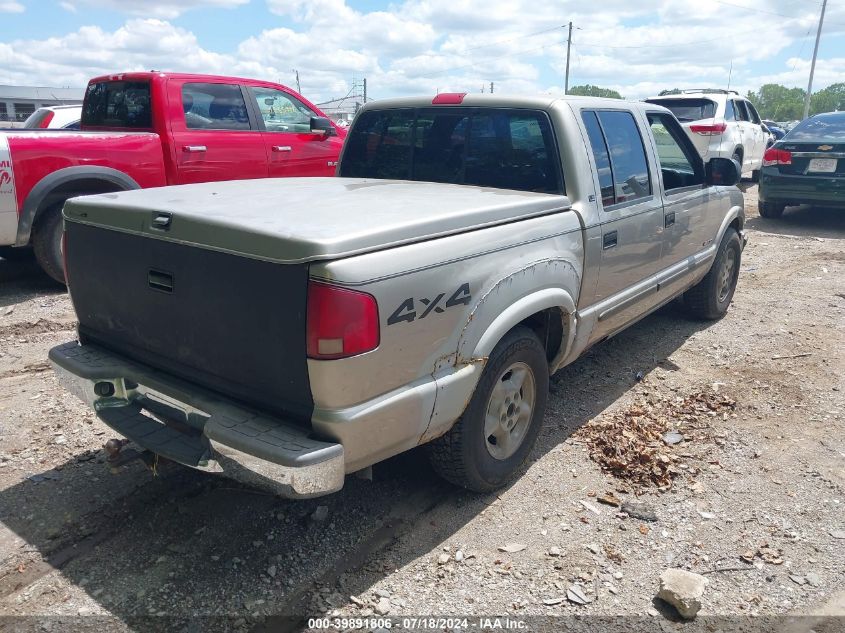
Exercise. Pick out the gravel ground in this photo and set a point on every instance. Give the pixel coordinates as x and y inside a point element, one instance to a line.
<point>755,502</point>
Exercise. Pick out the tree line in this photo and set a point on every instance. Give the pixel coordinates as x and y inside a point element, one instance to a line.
<point>773,101</point>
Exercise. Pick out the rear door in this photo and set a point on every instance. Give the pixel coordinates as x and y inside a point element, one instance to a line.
<point>760,136</point>
<point>216,138</point>
<point>746,132</point>
<point>632,219</point>
<point>293,149</point>
<point>691,214</point>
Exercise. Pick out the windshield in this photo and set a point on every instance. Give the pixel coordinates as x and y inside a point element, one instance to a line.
<point>505,149</point>
<point>829,127</point>
<point>688,109</point>
<point>117,104</point>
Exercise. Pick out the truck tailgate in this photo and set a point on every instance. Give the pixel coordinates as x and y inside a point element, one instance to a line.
<point>233,324</point>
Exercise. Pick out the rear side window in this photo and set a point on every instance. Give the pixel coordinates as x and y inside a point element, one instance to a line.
<point>601,156</point>
<point>117,104</point>
<point>730,114</point>
<point>627,155</point>
<point>741,111</point>
<point>214,107</point>
<point>755,118</point>
<point>688,109</point>
<point>506,149</point>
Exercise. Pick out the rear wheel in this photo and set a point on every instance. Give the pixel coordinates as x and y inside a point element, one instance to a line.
<point>489,444</point>
<point>770,209</point>
<point>710,298</point>
<point>47,242</point>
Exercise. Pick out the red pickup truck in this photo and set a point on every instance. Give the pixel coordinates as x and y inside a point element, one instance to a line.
<point>150,129</point>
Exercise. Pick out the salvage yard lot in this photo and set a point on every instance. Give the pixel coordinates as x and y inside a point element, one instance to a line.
<point>752,496</point>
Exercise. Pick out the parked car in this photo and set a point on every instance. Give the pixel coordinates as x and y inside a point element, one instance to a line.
<point>807,166</point>
<point>63,117</point>
<point>150,129</point>
<point>777,131</point>
<point>291,332</point>
<point>721,124</point>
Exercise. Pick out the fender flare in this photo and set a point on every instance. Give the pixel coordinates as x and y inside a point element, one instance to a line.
<point>733,214</point>
<point>520,310</point>
<point>51,181</point>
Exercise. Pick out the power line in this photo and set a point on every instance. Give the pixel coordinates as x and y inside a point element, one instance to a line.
<point>512,39</point>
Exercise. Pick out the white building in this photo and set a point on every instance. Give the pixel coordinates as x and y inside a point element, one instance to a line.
<point>18,102</point>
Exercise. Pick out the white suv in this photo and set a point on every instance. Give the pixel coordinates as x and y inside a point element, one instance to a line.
<point>721,124</point>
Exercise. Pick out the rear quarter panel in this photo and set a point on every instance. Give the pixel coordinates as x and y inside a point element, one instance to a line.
<point>37,154</point>
<point>436,302</point>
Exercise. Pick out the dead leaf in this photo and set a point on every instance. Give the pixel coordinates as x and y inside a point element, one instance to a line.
<point>512,548</point>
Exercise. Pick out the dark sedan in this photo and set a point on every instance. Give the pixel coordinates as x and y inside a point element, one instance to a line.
<point>807,166</point>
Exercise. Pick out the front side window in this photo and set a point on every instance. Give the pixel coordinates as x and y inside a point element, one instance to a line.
<point>673,152</point>
<point>118,104</point>
<point>282,112</point>
<point>755,118</point>
<point>627,155</point>
<point>214,107</point>
<point>507,149</point>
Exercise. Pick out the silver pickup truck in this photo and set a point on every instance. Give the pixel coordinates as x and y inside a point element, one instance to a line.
<point>290,332</point>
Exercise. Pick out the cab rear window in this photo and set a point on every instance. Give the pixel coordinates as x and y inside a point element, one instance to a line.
<point>117,104</point>
<point>500,148</point>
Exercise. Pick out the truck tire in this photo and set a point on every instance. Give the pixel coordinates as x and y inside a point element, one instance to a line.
<point>709,298</point>
<point>47,242</point>
<point>771,210</point>
<point>489,444</point>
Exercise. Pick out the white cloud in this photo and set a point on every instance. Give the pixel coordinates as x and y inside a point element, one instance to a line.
<point>11,7</point>
<point>67,6</point>
<point>161,8</point>
<point>420,46</point>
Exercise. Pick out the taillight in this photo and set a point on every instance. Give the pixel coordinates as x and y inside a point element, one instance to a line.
<point>340,322</point>
<point>710,129</point>
<point>45,122</point>
<point>775,156</point>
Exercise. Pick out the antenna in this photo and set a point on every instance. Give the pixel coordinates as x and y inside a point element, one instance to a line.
<point>730,73</point>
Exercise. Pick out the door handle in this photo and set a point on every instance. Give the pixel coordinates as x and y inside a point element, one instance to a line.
<point>669,219</point>
<point>609,240</point>
<point>190,149</point>
<point>282,148</point>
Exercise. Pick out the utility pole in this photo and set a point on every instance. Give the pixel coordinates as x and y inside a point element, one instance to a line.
<point>365,90</point>
<point>813,64</point>
<point>298,89</point>
<point>568,48</point>
<point>491,87</point>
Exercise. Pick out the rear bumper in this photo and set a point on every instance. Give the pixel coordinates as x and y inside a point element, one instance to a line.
<point>196,428</point>
<point>799,189</point>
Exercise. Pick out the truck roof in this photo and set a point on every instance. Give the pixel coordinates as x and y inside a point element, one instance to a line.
<point>504,100</point>
<point>193,77</point>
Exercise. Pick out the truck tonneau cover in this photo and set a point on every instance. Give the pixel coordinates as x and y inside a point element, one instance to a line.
<point>303,219</point>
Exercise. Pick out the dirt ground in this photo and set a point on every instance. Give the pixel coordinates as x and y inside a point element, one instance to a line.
<point>756,499</point>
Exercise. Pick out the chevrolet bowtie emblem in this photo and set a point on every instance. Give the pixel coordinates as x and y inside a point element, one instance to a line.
<point>824,148</point>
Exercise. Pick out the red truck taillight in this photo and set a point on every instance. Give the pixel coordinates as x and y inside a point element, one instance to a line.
<point>710,129</point>
<point>776,157</point>
<point>340,322</point>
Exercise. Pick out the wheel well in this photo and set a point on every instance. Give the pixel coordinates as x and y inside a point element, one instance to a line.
<point>736,225</point>
<point>740,151</point>
<point>73,188</point>
<point>548,325</point>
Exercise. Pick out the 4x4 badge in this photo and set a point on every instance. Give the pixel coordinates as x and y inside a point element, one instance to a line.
<point>407,309</point>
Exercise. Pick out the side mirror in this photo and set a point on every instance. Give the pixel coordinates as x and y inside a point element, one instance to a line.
<point>723,172</point>
<point>322,125</point>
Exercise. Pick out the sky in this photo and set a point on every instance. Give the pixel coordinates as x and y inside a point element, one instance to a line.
<point>424,46</point>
